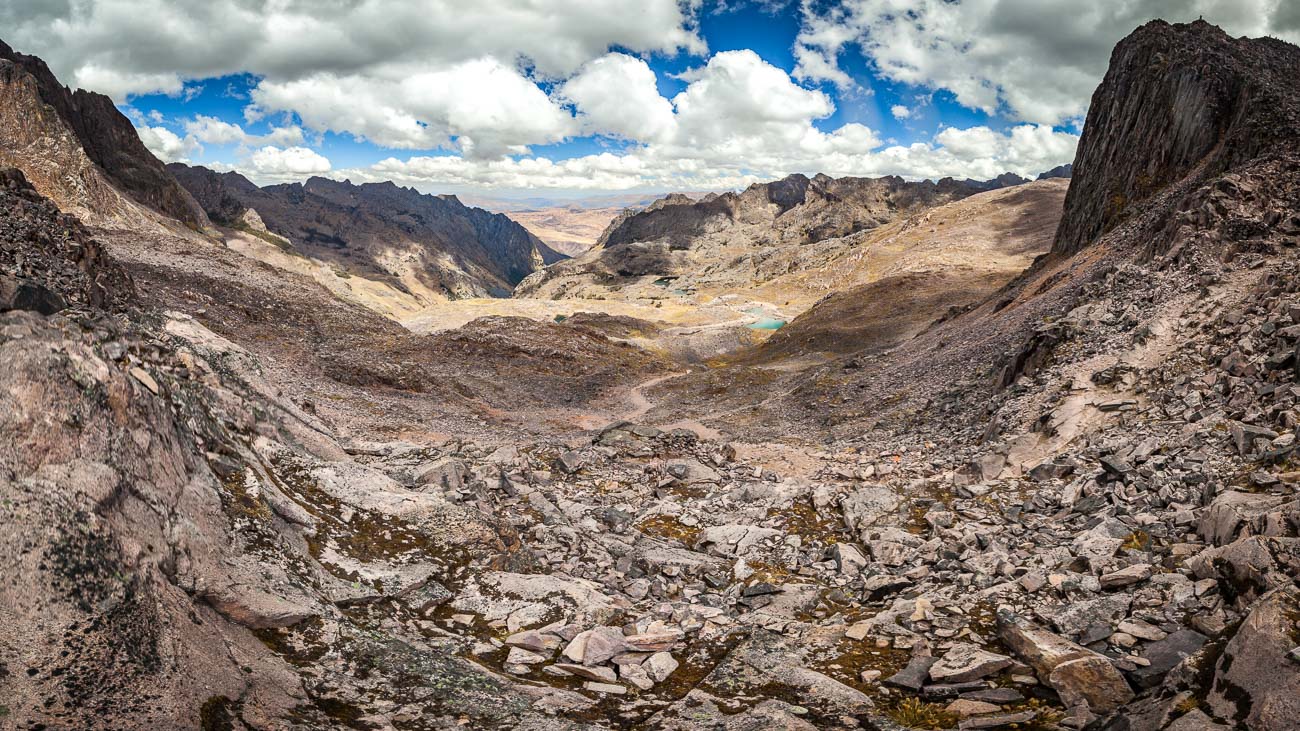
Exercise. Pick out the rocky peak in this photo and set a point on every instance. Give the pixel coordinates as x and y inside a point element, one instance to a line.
<point>1196,102</point>
<point>104,135</point>
<point>788,192</point>
<point>1060,171</point>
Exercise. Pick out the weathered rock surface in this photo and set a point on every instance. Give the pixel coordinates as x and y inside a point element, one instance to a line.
<point>1254,681</point>
<point>1077,673</point>
<point>1187,96</point>
<point>80,151</point>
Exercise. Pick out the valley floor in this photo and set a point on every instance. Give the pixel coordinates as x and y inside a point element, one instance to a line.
<point>685,541</point>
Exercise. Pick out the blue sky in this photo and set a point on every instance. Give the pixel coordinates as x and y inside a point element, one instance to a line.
<point>570,97</point>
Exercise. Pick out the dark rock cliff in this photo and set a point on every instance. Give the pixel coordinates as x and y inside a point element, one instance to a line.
<point>1060,171</point>
<point>109,140</point>
<point>1194,101</point>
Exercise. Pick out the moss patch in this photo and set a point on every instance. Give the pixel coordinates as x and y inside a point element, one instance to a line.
<point>669,527</point>
<point>916,713</point>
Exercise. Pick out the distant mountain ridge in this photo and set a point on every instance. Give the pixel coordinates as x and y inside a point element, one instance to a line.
<point>79,151</point>
<point>835,206</point>
<point>379,229</point>
<point>781,242</point>
<point>1060,171</point>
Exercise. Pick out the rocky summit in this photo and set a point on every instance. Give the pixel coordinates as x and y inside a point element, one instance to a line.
<point>827,453</point>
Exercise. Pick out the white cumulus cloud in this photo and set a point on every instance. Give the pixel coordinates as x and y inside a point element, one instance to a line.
<point>977,152</point>
<point>487,108</point>
<point>166,145</point>
<point>285,163</point>
<point>617,95</point>
<point>1013,55</point>
<point>105,46</point>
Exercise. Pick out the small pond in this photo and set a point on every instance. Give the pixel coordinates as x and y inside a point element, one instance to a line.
<point>766,323</point>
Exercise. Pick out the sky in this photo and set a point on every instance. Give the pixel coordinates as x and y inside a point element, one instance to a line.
<point>572,97</point>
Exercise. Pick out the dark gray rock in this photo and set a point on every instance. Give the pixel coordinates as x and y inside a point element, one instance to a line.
<point>1164,654</point>
<point>913,676</point>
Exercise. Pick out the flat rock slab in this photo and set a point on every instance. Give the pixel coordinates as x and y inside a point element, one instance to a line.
<point>1164,654</point>
<point>948,691</point>
<point>733,539</point>
<point>913,676</point>
<point>1126,576</point>
<point>1073,618</point>
<point>601,674</point>
<point>965,662</point>
<point>995,695</point>
<point>998,721</point>
<point>966,708</point>
<point>606,688</point>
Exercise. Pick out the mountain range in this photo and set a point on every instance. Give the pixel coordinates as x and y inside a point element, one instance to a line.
<point>434,243</point>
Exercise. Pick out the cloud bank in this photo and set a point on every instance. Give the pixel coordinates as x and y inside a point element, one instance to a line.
<point>464,94</point>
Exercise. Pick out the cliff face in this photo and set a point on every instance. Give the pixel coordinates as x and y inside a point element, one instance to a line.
<point>66,140</point>
<point>451,248</point>
<point>1194,101</point>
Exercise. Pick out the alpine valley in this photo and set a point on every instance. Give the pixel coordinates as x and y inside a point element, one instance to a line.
<point>817,453</point>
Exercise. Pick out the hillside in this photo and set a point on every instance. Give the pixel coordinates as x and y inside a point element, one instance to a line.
<point>906,275</point>
<point>737,240</point>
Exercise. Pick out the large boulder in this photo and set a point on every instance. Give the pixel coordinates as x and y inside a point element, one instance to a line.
<point>1249,567</point>
<point>734,540</point>
<point>966,662</point>
<point>1235,513</point>
<point>1255,680</point>
<point>1078,674</point>
<point>531,600</point>
<point>865,506</point>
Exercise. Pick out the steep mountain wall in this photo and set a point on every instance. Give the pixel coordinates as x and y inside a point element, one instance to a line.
<point>81,122</point>
<point>1190,99</point>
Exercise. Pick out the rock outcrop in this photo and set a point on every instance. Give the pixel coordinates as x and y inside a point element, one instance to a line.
<point>376,229</point>
<point>1196,103</point>
<point>48,261</point>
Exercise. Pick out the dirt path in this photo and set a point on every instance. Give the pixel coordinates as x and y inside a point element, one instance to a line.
<point>639,404</point>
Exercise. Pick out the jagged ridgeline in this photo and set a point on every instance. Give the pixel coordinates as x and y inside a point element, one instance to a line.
<point>1028,463</point>
<point>459,251</point>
